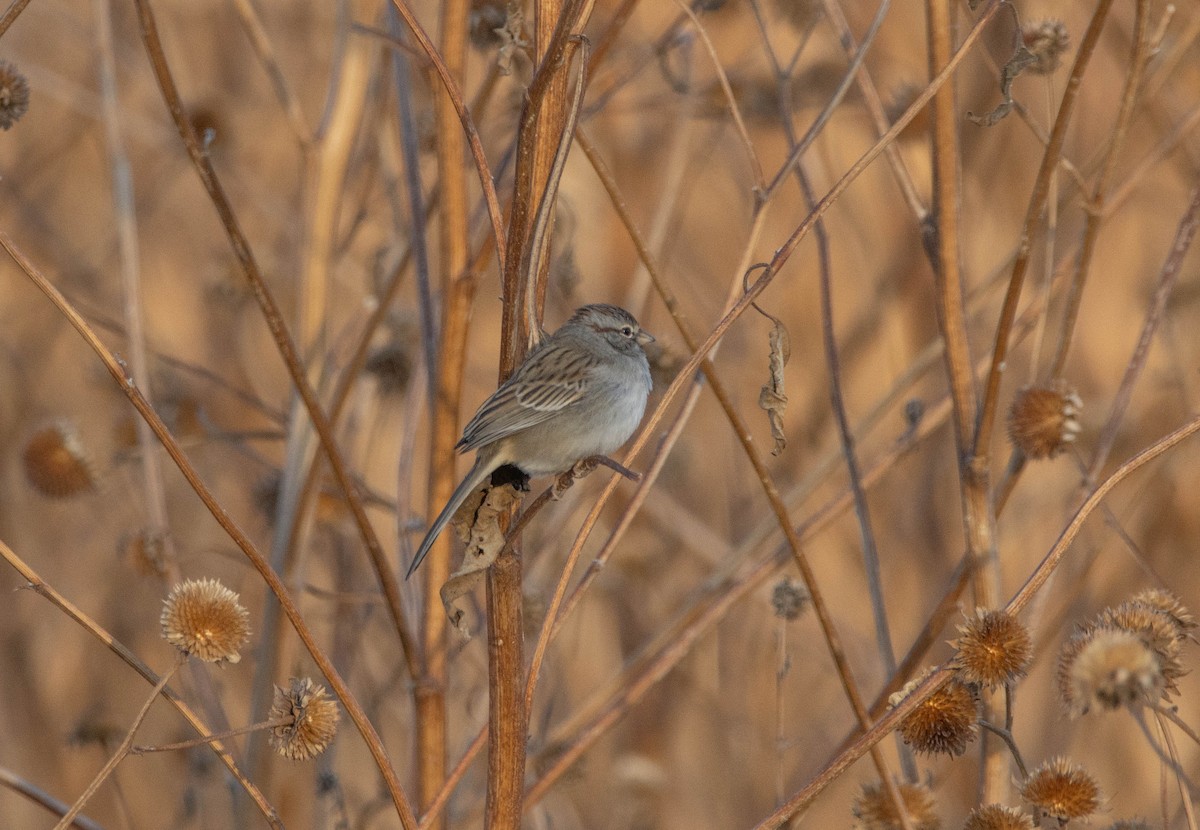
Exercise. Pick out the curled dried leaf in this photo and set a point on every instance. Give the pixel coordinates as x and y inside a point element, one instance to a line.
<point>772,398</point>
<point>484,538</point>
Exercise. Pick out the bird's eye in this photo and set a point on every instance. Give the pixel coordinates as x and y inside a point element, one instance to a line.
<point>627,331</point>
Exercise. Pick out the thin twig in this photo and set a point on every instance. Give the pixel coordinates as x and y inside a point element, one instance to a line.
<point>239,537</point>
<point>1037,200</point>
<point>1167,278</point>
<point>123,748</point>
<point>275,323</point>
<point>37,795</point>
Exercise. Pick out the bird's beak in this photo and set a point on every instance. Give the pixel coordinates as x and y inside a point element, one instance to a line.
<point>644,337</point>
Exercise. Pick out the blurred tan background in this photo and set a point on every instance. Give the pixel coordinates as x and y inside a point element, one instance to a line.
<point>754,708</point>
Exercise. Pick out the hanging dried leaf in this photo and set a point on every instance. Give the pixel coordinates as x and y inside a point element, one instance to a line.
<point>1021,60</point>
<point>484,539</point>
<point>772,397</point>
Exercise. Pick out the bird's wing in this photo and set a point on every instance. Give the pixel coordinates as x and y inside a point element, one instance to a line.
<point>537,391</point>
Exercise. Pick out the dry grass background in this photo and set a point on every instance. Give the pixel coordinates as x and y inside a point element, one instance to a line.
<point>715,720</point>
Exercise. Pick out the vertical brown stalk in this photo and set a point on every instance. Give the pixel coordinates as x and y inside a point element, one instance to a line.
<point>452,231</point>
<point>537,144</point>
<point>974,476</point>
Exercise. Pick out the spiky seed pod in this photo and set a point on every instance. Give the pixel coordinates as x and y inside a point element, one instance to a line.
<point>314,719</point>
<point>788,599</point>
<point>1062,790</point>
<point>993,648</point>
<point>56,463</point>
<point>944,723</point>
<point>998,817</point>
<point>203,618</point>
<point>1043,420</point>
<point>1109,668</point>
<point>1157,630</point>
<point>1047,40</point>
<point>1169,604</point>
<point>14,95</point>
<point>875,811</point>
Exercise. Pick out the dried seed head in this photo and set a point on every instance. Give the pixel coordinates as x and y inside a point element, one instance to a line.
<point>14,95</point>
<point>944,722</point>
<point>1062,790</point>
<point>56,463</point>
<point>392,367</point>
<point>1156,630</point>
<point>1108,667</point>
<point>1047,40</point>
<point>998,817</point>
<point>1043,420</point>
<point>1169,604</point>
<point>203,618</point>
<point>875,810</point>
<point>314,719</point>
<point>788,599</point>
<point>993,648</point>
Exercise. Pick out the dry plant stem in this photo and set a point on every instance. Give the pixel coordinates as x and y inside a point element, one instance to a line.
<point>760,183</point>
<point>942,239</point>
<point>852,71</point>
<point>1167,278</point>
<point>538,137</point>
<point>1035,582</point>
<point>326,163</point>
<point>276,324</point>
<point>239,537</point>
<point>988,409</point>
<point>93,628</point>
<point>142,749</point>
<point>694,620</point>
<point>454,91</point>
<point>555,612</point>
<point>1007,736</point>
<point>261,44</point>
<point>1181,780</point>
<point>535,258</point>
<point>609,36</point>
<point>833,640</point>
<point>696,614</point>
<point>39,796</point>
<point>659,656</point>
<point>446,369</point>
<point>127,239</point>
<point>1095,208</point>
<point>11,14</point>
<point>743,433</point>
<point>507,731</point>
<point>744,302</point>
<point>122,748</point>
<point>870,552</point>
<point>870,95</point>
<point>537,147</point>
<point>435,807</point>
<point>1173,716</point>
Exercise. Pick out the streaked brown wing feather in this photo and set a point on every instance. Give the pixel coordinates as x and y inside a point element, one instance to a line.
<point>535,392</point>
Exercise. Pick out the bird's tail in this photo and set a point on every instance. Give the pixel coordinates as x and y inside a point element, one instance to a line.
<point>478,472</point>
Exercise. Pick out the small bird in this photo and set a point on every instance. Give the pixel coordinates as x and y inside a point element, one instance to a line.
<point>580,392</point>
